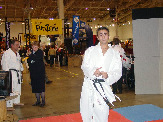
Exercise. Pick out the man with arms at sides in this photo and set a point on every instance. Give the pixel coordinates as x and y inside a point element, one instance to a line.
<point>11,61</point>
<point>100,63</point>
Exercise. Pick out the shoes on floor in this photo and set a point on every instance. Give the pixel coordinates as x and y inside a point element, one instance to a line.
<point>10,109</point>
<point>48,82</point>
<point>36,104</point>
<point>19,104</point>
<point>120,92</point>
<point>42,104</point>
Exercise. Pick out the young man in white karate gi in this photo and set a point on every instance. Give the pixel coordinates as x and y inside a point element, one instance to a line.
<point>100,62</point>
<point>11,61</point>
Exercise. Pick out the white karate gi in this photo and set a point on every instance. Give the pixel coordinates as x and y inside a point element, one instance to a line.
<point>92,106</point>
<point>126,62</point>
<point>10,60</point>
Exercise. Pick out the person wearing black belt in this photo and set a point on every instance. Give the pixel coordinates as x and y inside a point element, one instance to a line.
<point>11,61</point>
<point>102,67</point>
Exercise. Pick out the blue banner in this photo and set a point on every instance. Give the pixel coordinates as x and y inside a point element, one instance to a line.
<point>82,24</point>
<point>75,30</point>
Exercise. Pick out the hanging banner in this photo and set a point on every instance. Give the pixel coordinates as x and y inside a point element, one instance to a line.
<point>7,28</point>
<point>46,26</point>
<point>32,37</point>
<point>75,30</point>
<point>82,24</point>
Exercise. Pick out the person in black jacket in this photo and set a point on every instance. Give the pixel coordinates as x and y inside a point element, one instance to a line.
<point>37,73</point>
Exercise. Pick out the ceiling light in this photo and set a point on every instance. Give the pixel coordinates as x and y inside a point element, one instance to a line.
<point>51,18</point>
<point>0,7</point>
<point>23,23</point>
<point>113,25</point>
<point>0,19</point>
<point>86,8</point>
<point>108,9</point>
<point>94,18</point>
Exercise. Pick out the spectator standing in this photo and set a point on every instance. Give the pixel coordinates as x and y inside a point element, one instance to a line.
<point>52,54</point>
<point>37,73</point>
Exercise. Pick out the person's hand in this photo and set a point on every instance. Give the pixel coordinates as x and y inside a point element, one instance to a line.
<point>97,73</point>
<point>104,74</point>
<point>28,53</point>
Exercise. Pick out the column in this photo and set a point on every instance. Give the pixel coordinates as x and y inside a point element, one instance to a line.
<point>61,16</point>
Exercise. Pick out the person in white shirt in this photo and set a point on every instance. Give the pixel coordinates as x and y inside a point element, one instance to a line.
<point>117,87</point>
<point>11,61</point>
<point>102,67</point>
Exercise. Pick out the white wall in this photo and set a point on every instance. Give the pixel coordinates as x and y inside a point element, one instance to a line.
<point>124,31</point>
<point>15,29</point>
<point>147,35</point>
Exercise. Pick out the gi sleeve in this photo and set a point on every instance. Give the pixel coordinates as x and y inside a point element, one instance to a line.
<point>115,72</point>
<point>5,62</point>
<point>21,67</point>
<point>87,65</point>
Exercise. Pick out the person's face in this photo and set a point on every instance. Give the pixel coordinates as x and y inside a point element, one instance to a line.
<point>103,36</point>
<point>15,46</point>
<point>35,48</point>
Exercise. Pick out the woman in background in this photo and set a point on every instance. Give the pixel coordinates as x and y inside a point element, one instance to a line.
<point>37,73</point>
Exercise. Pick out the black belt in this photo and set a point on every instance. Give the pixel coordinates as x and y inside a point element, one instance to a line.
<point>95,81</point>
<point>17,74</point>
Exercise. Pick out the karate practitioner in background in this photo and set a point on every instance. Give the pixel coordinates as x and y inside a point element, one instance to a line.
<point>101,62</point>
<point>11,61</point>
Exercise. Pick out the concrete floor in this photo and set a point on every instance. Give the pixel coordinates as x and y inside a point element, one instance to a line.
<point>63,95</point>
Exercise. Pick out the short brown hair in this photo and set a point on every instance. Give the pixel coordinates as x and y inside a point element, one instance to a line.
<point>102,28</point>
<point>36,43</point>
<point>116,41</point>
<point>12,41</point>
